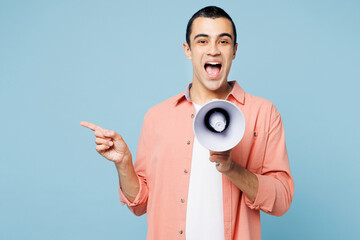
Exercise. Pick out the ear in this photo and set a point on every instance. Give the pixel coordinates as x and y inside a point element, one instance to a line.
<point>235,49</point>
<point>187,51</point>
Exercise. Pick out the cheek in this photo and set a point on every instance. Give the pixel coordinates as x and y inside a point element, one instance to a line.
<point>196,54</point>
<point>196,61</point>
<point>229,59</point>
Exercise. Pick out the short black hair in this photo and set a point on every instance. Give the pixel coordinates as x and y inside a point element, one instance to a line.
<point>209,12</point>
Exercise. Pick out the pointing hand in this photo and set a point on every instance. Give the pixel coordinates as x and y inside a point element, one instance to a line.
<point>109,144</point>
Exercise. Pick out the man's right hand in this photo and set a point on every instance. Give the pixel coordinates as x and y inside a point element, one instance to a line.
<point>109,144</point>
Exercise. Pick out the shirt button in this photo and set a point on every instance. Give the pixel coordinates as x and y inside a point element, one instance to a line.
<point>188,142</point>
<point>192,115</point>
<point>185,171</point>
<point>182,200</point>
<point>181,231</point>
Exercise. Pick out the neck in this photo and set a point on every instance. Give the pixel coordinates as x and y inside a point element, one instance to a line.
<point>199,94</point>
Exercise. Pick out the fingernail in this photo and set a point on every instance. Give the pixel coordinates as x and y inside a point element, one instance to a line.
<point>111,143</point>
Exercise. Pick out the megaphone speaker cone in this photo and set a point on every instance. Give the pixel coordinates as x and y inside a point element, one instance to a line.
<point>219,125</point>
<point>217,120</point>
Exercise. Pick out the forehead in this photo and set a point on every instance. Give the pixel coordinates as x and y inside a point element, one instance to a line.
<point>211,26</point>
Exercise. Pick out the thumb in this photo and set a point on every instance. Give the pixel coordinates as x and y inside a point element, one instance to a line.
<point>109,133</point>
<point>112,134</point>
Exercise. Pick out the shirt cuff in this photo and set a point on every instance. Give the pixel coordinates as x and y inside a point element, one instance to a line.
<point>265,197</point>
<point>140,197</point>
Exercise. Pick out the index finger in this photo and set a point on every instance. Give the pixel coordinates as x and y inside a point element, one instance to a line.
<point>90,125</point>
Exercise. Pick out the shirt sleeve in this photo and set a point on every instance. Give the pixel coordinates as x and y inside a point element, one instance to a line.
<point>138,206</point>
<point>276,185</point>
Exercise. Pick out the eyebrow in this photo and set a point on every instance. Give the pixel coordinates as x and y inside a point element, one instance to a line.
<point>220,35</point>
<point>226,35</point>
<point>201,35</point>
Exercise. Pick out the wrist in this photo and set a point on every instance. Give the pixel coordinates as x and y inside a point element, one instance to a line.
<point>125,163</point>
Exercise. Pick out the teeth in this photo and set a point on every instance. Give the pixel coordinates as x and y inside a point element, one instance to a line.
<point>213,63</point>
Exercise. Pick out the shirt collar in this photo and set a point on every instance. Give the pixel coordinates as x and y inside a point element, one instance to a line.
<point>237,92</point>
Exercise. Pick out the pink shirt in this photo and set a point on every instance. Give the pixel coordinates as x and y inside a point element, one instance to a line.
<point>163,165</point>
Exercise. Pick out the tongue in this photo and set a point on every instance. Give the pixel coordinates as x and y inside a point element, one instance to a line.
<point>212,71</point>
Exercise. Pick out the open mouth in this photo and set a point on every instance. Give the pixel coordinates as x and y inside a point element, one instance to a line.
<point>213,69</point>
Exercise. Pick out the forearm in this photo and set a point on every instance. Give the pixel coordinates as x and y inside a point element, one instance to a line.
<point>245,180</point>
<point>128,179</point>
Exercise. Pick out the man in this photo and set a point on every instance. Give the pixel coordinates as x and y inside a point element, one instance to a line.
<point>174,179</point>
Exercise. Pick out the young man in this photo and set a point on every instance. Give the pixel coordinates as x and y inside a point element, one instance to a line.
<point>174,179</point>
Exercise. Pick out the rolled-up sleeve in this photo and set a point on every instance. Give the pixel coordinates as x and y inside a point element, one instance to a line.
<point>276,186</point>
<point>138,206</point>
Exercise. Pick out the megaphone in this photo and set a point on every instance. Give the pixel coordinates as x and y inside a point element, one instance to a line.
<point>219,125</point>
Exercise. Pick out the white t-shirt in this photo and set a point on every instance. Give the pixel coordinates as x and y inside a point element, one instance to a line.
<point>204,213</point>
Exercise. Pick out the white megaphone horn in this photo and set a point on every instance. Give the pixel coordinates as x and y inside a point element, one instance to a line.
<point>219,125</point>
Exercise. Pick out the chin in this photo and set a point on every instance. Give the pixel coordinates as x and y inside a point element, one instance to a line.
<point>214,84</point>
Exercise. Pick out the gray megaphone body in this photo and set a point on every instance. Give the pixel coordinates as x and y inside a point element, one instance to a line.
<point>219,125</point>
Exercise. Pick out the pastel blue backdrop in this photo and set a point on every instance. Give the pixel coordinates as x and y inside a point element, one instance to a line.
<point>107,62</point>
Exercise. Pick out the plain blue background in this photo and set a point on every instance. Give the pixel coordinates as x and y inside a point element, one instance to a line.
<point>107,62</point>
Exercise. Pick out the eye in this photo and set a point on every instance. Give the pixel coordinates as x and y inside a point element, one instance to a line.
<point>224,42</point>
<point>202,41</point>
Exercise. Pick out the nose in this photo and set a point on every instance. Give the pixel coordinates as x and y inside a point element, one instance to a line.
<point>213,49</point>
